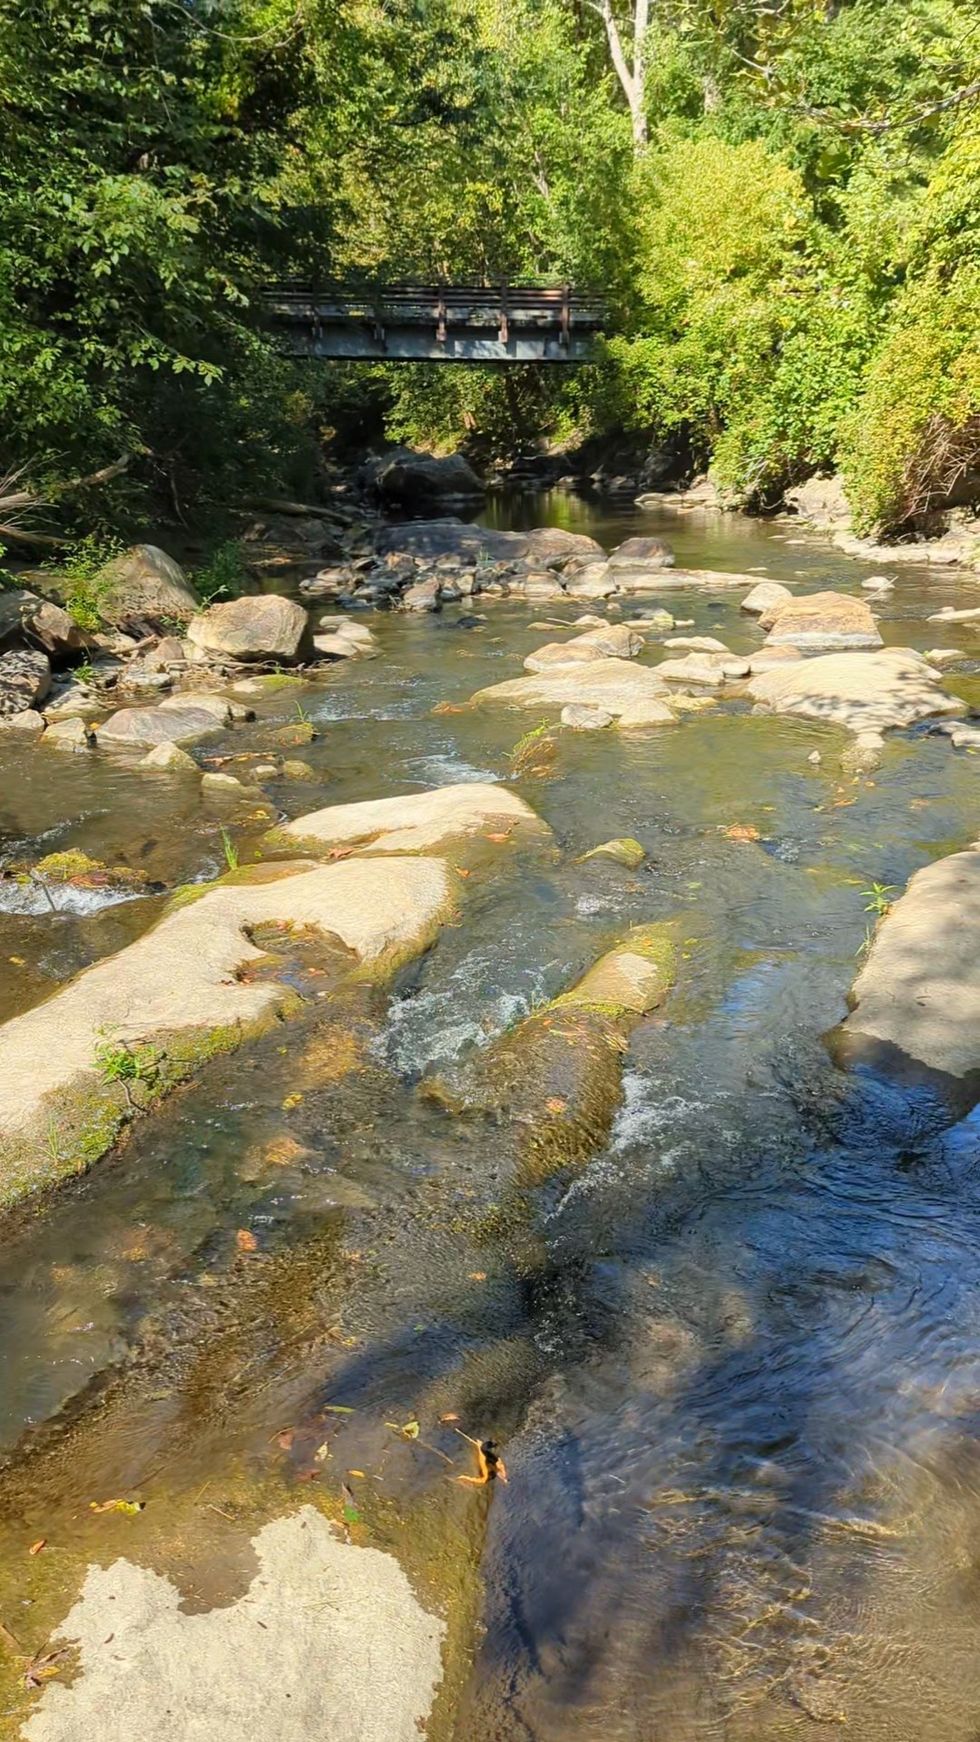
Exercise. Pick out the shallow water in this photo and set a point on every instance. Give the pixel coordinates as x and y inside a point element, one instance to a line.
<point>734,1360</point>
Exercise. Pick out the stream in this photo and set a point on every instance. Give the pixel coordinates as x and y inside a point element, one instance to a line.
<point>733,1361</point>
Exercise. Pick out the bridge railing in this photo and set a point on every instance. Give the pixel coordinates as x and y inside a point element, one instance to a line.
<point>472,308</point>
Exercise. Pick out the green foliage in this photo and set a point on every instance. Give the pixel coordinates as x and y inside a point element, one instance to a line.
<point>85,587</point>
<point>791,264</point>
<point>119,1062</point>
<point>879,898</point>
<point>229,850</point>
<point>222,576</point>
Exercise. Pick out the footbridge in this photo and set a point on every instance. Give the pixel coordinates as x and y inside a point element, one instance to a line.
<point>441,323</point>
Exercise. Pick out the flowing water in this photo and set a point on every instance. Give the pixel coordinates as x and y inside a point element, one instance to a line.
<point>734,1360</point>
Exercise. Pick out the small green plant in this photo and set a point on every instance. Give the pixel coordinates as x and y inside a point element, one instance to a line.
<point>85,584</point>
<point>302,716</point>
<point>878,899</point>
<point>229,849</point>
<point>85,673</point>
<point>118,1062</point>
<point>223,575</point>
<point>524,744</point>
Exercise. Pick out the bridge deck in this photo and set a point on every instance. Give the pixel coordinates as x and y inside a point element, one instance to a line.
<point>436,323</point>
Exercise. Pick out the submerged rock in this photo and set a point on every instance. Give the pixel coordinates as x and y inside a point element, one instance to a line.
<point>328,1640</point>
<point>416,822</point>
<point>918,994</point>
<point>633,694</point>
<point>178,995</point>
<point>170,757</point>
<point>623,850</point>
<point>558,1074</point>
<point>263,627</point>
<point>862,691</point>
<point>581,717</point>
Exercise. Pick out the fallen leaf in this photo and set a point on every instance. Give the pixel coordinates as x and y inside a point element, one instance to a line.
<point>478,1276</point>
<point>285,1439</point>
<point>245,1240</point>
<point>449,1416</point>
<point>290,1102</point>
<point>741,832</point>
<point>131,1508</point>
<point>36,1547</point>
<point>502,837</point>
<point>308,1475</point>
<point>351,1514</point>
<point>555,1104</point>
<point>322,1453</point>
<point>357,1473</point>
<point>411,1429</point>
<point>461,872</point>
<point>338,1409</point>
<point>17,961</point>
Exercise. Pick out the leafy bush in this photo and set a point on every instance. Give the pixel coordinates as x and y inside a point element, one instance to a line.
<point>84,586</point>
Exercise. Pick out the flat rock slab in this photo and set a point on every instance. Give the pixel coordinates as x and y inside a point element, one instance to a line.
<point>170,723</point>
<point>633,694</point>
<point>328,1641</point>
<point>862,691</point>
<point>415,822</point>
<point>654,579</point>
<point>919,989</point>
<point>181,979</point>
<point>821,623</point>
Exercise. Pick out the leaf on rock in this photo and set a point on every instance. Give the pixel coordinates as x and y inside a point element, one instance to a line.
<point>245,1240</point>
<point>131,1508</point>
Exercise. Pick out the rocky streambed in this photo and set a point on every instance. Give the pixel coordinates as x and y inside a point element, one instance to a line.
<point>426,1014</point>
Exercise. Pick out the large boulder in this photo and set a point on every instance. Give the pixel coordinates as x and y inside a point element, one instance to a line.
<point>263,626</point>
<point>180,991</point>
<point>918,992</point>
<point>633,694</point>
<point>407,478</point>
<point>821,623</point>
<point>51,628</point>
<point>866,692</point>
<point>25,679</point>
<point>546,546</point>
<point>144,585</point>
<point>639,557</point>
<point>415,822</point>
